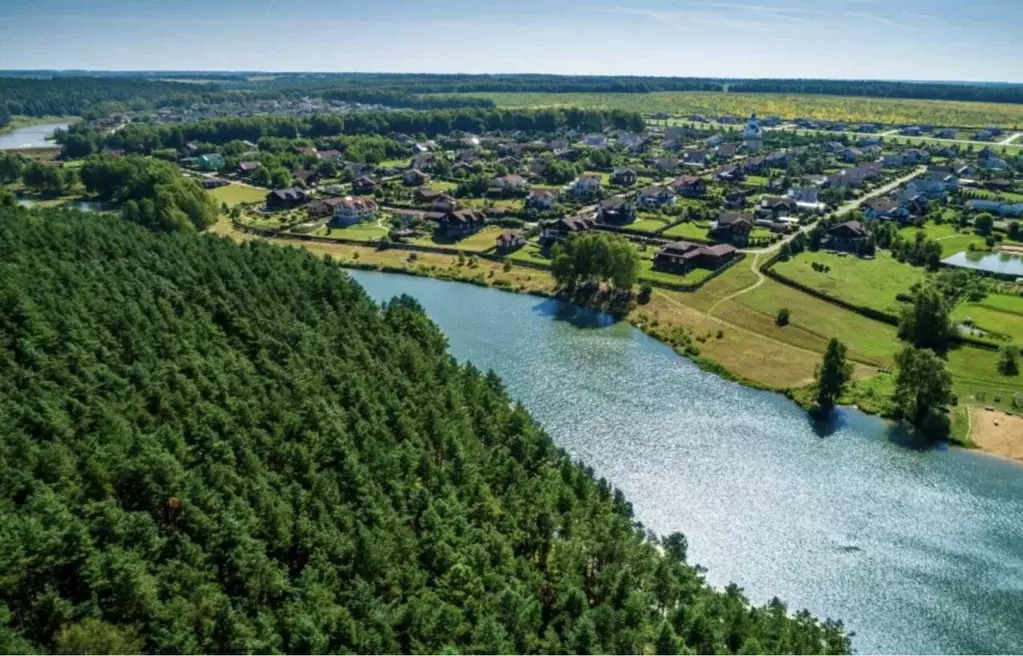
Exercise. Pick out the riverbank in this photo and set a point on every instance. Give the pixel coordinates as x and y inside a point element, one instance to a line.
<point>19,122</point>
<point>677,319</point>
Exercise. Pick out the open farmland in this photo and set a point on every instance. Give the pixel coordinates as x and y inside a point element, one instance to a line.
<point>832,108</point>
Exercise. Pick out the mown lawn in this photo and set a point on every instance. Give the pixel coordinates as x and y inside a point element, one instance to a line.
<point>648,225</point>
<point>648,272</point>
<point>869,283</point>
<point>976,378</point>
<point>997,313</point>
<point>367,231</point>
<point>530,253</point>
<point>234,194</point>
<point>688,230</point>
<point>481,241</point>
<point>812,322</point>
<point>952,242</point>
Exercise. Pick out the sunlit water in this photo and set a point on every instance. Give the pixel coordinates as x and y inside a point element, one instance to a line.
<point>916,548</point>
<point>1003,264</point>
<point>33,136</point>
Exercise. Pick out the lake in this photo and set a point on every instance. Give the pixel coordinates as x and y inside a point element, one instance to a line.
<point>33,136</point>
<point>82,205</point>
<point>1002,264</point>
<point>918,548</point>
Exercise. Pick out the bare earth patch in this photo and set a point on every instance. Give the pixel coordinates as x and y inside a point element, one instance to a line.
<point>998,433</point>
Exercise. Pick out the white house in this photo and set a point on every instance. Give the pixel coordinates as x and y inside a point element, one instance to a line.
<point>655,197</point>
<point>352,210</point>
<point>542,198</point>
<point>510,183</point>
<point>586,186</point>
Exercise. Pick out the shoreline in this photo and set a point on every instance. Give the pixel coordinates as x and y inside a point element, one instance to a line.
<point>485,276</point>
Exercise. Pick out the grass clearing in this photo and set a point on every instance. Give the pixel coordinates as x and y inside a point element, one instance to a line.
<point>483,240</point>
<point>234,194</point>
<point>977,381</point>
<point>648,225</point>
<point>869,283</point>
<point>997,313</point>
<point>649,273</point>
<point>812,322</point>
<point>832,108</point>
<point>688,230</point>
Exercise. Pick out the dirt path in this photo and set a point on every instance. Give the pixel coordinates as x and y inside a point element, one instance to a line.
<point>1011,138</point>
<point>996,432</point>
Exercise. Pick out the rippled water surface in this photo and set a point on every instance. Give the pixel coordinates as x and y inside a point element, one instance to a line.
<point>916,548</point>
<point>33,136</point>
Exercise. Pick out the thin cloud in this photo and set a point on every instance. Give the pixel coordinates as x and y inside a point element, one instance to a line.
<point>691,17</point>
<point>881,20</point>
<point>779,13</point>
<point>924,17</point>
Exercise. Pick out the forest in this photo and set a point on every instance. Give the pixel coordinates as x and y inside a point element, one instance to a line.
<point>213,447</point>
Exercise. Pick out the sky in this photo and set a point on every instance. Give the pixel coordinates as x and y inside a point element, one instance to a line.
<point>978,40</point>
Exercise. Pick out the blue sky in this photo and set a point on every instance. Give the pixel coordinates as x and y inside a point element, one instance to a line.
<point>886,39</point>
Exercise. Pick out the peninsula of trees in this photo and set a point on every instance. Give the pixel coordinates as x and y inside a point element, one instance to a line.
<point>217,447</point>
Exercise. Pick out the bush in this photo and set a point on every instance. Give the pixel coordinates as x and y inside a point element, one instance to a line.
<point>783,317</point>
<point>1008,360</point>
<point>645,290</point>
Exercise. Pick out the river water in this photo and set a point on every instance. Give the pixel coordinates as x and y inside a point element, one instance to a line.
<point>917,548</point>
<point>33,136</point>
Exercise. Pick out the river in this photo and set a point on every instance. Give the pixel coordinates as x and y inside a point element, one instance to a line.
<point>917,548</point>
<point>33,136</point>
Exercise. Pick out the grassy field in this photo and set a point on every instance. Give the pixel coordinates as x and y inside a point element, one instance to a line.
<point>481,241</point>
<point>870,283</point>
<point>648,224</point>
<point>812,322</point>
<point>687,230</point>
<point>998,313</point>
<point>976,379</point>
<point>649,273</point>
<point>358,232</point>
<point>234,194</point>
<point>836,108</point>
<point>530,253</point>
<point>952,242</point>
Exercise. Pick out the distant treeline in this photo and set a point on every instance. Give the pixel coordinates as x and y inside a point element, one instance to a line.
<point>144,138</point>
<point>104,95</point>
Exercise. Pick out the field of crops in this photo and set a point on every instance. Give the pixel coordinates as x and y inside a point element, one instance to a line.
<point>834,108</point>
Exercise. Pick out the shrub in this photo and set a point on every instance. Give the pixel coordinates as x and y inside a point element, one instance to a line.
<point>645,290</point>
<point>783,317</point>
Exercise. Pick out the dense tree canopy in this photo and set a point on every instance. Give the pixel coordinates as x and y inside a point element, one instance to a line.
<point>595,257</point>
<point>153,192</point>
<point>213,447</point>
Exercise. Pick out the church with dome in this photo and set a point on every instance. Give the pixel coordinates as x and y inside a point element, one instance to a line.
<point>753,129</point>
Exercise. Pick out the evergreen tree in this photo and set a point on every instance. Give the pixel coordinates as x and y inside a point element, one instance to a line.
<point>832,375</point>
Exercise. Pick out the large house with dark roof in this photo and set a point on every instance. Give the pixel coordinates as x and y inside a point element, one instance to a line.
<point>733,227</point>
<point>684,256</point>
<point>617,209</point>
<point>285,199</point>
<point>847,236</point>
<point>459,223</point>
<point>563,228</point>
<point>689,186</point>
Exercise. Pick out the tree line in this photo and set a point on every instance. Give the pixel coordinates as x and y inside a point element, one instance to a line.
<point>212,447</point>
<point>145,138</point>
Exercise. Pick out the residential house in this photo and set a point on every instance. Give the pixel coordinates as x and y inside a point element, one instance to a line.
<point>364,185</point>
<point>586,186</point>
<point>1001,208</point>
<point>538,167</point>
<point>732,227</point>
<point>945,133</point>
<point>542,198</point>
<point>715,140</point>
<point>210,162</point>
<point>444,203</point>
<point>285,199</point>
<point>726,151</point>
<point>994,164</point>
<point>684,256</point>
<point>329,155</point>
<point>510,240</point>
<point>885,209</point>
<point>461,223</point>
<point>690,186</point>
<point>730,173</point>
<point>424,161</point>
<point>414,178</point>
<point>595,141</point>
<point>915,156</point>
<point>834,146</point>
<point>510,163</point>
<point>617,209</point>
<point>324,207</point>
<point>775,208</point>
<point>807,195</point>
<point>893,160</point>
<point>911,131</point>
<point>192,146</point>
<point>666,164</point>
<point>779,159</point>
<point>753,165</point>
<point>426,195</point>
<point>847,236</point>
<point>672,145</point>
<point>509,184</point>
<point>558,146</point>
<point>734,200</point>
<point>655,196</point>
<point>851,154</point>
<point>624,177</point>
<point>561,229</point>
<point>245,168</point>
<point>213,183</point>
<point>308,151</point>
<point>937,182</point>
<point>695,157</point>
<point>983,135</point>
<point>306,177</point>
<point>352,210</point>
<point>467,156</point>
